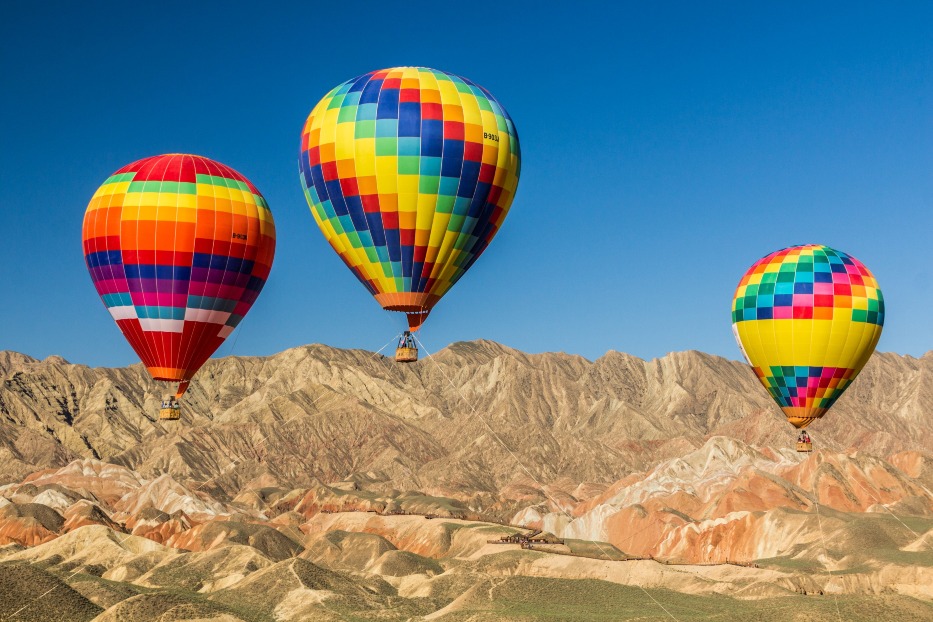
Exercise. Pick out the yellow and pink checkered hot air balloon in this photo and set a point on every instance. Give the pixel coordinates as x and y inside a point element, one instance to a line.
<point>409,173</point>
<point>807,318</point>
<point>178,247</point>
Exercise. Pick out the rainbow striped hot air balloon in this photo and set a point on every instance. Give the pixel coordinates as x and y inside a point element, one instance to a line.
<point>178,247</point>
<point>409,173</point>
<point>807,318</point>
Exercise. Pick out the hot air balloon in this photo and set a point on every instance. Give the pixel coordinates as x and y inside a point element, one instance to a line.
<point>409,173</point>
<point>178,247</point>
<point>807,318</point>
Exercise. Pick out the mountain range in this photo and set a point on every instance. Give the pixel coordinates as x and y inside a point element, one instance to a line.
<point>302,481</point>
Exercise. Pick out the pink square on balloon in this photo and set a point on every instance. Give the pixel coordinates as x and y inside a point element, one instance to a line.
<point>783,313</point>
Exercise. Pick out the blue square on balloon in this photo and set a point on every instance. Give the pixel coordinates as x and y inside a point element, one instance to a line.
<point>388,104</point>
<point>335,193</point>
<point>430,166</point>
<point>452,165</point>
<point>386,128</point>
<point>346,222</point>
<point>365,238</point>
<point>374,223</point>
<point>355,209</point>
<point>328,207</point>
<point>432,137</point>
<point>765,313</point>
<point>356,85</point>
<point>468,178</point>
<point>366,112</point>
<point>478,203</point>
<point>409,119</point>
<point>461,205</point>
<point>448,186</point>
<point>371,92</point>
<point>383,255</point>
<point>409,146</point>
<point>395,249</point>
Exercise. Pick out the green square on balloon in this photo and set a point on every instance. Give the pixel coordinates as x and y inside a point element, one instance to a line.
<point>364,129</point>
<point>386,146</point>
<point>455,223</point>
<point>347,114</point>
<point>427,184</point>
<point>409,165</point>
<point>445,204</point>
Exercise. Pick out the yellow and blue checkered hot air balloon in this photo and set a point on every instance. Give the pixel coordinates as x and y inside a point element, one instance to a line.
<point>409,173</point>
<point>807,318</point>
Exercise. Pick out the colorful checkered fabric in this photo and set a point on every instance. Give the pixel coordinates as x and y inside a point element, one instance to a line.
<point>807,318</point>
<point>409,173</point>
<point>178,247</point>
<point>808,282</point>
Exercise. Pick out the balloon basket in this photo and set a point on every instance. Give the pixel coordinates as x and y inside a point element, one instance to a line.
<point>169,410</point>
<point>804,447</point>
<point>406,355</point>
<point>407,351</point>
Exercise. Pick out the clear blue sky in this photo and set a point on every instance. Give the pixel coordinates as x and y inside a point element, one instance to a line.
<point>665,148</point>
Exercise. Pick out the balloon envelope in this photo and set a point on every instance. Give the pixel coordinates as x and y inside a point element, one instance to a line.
<point>409,173</point>
<point>807,318</point>
<point>178,247</point>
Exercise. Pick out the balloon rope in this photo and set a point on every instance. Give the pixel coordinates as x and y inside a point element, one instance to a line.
<point>235,339</point>
<point>879,502</point>
<point>522,466</point>
<point>819,521</point>
<point>389,367</point>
